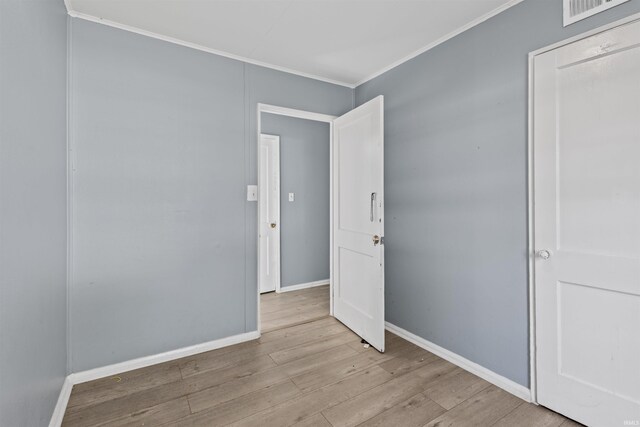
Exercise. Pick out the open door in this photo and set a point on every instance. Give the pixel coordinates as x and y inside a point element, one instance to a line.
<point>358,221</point>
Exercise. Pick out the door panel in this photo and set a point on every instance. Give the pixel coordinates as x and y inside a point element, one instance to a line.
<point>269,196</point>
<point>597,181</point>
<point>587,216</point>
<point>358,212</point>
<point>579,330</point>
<point>355,151</point>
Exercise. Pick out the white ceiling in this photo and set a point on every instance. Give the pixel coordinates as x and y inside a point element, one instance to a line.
<point>343,41</point>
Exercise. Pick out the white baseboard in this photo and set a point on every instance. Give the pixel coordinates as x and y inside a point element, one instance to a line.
<point>303,286</point>
<point>61,405</point>
<point>504,383</point>
<point>142,362</point>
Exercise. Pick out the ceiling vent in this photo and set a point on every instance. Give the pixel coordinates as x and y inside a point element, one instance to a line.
<point>576,10</point>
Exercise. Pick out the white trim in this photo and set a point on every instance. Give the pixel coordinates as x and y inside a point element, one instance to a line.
<point>533,377</point>
<point>142,362</point>
<point>196,46</point>
<point>530,187</point>
<point>412,55</point>
<point>67,4</point>
<point>61,405</point>
<point>504,383</point>
<point>331,211</point>
<point>602,29</point>
<point>70,166</point>
<point>303,286</point>
<point>441,40</point>
<point>300,114</point>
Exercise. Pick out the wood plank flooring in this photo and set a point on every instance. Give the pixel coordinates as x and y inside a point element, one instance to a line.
<point>292,308</point>
<point>307,369</point>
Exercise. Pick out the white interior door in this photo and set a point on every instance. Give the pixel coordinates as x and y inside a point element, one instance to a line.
<point>587,227</point>
<point>269,199</point>
<point>358,221</point>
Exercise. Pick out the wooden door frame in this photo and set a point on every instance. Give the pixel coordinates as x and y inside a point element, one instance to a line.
<point>307,115</point>
<point>530,189</point>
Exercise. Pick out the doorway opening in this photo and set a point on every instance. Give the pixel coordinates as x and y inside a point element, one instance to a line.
<point>356,214</point>
<point>294,216</point>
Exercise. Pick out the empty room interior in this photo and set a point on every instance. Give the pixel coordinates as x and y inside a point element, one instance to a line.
<point>328,213</point>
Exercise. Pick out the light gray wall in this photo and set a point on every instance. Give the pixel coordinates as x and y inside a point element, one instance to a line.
<point>164,144</point>
<point>456,194</point>
<point>33,209</point>
<point>304,223</point>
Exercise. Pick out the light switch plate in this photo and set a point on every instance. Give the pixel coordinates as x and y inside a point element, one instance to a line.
<point>252,193</point>
<point>292,197</point>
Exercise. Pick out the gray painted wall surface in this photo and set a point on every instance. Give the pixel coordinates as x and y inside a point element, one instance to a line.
<point>456,194</point>
<point>304,223</point>
<point>33,209</point>
<point>164,144</point>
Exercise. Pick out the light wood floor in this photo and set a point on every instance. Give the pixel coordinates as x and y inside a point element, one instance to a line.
<point>279,311</point>
<point>307,369</point>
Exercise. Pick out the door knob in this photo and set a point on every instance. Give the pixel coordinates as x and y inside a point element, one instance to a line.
<point>376,240</point>
<point>273,225</point>
<point>544,254</point>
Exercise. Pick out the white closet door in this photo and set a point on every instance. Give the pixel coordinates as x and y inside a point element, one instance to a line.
<point>269,190</point>
<point>587,227</point>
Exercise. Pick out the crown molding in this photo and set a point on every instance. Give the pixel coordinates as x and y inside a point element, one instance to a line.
<point>196,46</point>
<point>441,40</point>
